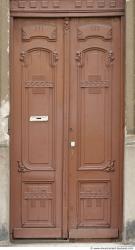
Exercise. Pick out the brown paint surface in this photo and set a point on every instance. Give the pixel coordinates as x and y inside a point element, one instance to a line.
<point>69,70</point>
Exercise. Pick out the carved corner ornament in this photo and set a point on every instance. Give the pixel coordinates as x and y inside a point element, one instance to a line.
<point>66,24</point>
<point>55,58</point>
<point>110,58</point>
<point>110,166</point>
<point>22,56</point>
<point>79,58</point>
<point>22,168</point>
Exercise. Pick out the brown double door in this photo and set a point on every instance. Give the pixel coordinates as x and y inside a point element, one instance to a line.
<point>66,128</point>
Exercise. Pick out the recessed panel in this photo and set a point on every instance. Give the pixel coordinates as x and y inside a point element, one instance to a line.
<point>94,203</point>
<point>38,204</point>
<point>38,101</point>
<point>94,86</point>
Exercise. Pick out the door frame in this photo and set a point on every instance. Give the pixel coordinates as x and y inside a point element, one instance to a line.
<point>65,14</point>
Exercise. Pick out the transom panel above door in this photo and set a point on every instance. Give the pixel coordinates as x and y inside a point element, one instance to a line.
<point>66,128</point>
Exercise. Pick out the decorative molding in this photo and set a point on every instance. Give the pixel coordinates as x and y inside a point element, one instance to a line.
<point>66,24</point>
<point>94,84</point>
<point>113,3</point>
<point>37,84</point>
<point>110,58</point>
<point>44,4</point>
<point>33,4</point>
<point>101,3</point>
<point>55,58</point>
<point>96,195</point>
<point>94,203</point>
<point>21,4</point>
<point>110,166</point>
<point>66,6</point>
<point>22,56</point>
<point>47,31</point>
<point>79,58</point>
<point>94,190</point>
<point>56,3</point>
<point>90,3</point>
<point>37,194</point>
<point>78,3</point>
<point>22,168</point>
<point>94,30</point>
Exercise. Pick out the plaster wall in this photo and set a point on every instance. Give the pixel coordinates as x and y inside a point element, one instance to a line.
<point>4,111</point>
<point>129,164</point>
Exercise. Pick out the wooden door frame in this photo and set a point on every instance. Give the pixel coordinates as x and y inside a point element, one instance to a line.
<point>65,14</point>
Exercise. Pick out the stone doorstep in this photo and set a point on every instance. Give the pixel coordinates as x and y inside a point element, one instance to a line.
<point>66,243</point>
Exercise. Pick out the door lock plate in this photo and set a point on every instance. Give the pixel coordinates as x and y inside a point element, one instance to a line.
<point>72,144</point>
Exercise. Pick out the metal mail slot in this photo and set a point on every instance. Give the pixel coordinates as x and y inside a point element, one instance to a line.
<point>39,118</point>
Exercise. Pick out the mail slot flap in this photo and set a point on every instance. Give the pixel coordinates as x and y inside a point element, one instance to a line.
<point>39,118</point>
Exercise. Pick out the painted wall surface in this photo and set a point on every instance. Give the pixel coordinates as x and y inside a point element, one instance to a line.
<point>4,112</point>
<point>129,165</point>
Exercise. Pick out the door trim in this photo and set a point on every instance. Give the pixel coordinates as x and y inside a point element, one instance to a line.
<point>66,125</point>
<point>73,8</point>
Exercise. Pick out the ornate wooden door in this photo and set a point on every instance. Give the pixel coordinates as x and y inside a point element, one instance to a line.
<point>66,128</point>
<point>95,118</point>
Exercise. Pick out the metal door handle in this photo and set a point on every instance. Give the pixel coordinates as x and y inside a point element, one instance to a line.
<point>39,118</point>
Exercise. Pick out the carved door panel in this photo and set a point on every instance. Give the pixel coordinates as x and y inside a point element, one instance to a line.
<point>37,125</point>
<point>94,156</point>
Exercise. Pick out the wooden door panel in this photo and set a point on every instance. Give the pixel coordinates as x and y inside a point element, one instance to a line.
<point>38,100</point>
<point>38,204</point>
<point>94,162</point>
<point>94,110</point>
<point>37,164</point>
<point>94,211</point>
